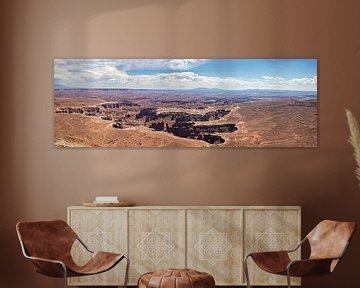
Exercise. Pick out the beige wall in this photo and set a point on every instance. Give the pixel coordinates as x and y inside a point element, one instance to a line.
<point>39,181</point>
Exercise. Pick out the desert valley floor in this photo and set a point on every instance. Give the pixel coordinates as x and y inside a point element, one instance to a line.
<point>151,118</point>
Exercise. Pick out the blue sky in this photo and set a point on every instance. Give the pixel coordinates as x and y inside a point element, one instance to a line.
<point>231,74</point>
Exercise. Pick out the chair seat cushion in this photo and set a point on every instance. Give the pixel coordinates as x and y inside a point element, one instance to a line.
<point>176,278</point>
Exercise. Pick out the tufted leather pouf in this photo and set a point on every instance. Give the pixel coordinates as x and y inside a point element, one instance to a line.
<point>176,278</point>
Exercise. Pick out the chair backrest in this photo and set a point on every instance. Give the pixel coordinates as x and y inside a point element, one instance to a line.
<point>46,239</point>
<point>329,239</point>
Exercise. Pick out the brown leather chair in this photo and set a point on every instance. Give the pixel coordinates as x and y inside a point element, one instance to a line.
<point>328,242</point>
<point>48,245</point>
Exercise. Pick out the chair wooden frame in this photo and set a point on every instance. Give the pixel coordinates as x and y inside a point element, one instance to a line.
<point>315,265</point>
<point>55,264</point>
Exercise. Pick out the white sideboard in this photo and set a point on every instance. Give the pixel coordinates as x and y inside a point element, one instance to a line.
<point>212,239</point>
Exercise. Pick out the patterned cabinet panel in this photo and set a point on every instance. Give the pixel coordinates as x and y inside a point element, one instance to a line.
<point>214,244</point>
<point>156,240</point>
<point>101,230</point>
<point>269,230</point>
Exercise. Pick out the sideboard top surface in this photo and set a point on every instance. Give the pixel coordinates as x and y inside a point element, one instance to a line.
<point>193,207</point>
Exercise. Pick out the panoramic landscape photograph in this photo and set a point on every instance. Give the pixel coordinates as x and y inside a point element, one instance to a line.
<point>130,103</point>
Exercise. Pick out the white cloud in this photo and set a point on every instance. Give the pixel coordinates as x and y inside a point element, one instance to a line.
<point>305,83</point>
<point>185,64</point>
<point>131,64</point>
<point>106,73</point>
<point>272,78</point>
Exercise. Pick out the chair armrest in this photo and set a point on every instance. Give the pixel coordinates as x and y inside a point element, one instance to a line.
<point>45,260</point>
<point>271,261</point>
<point>83,244</point>
<point>269,252</point>
<point>298,246</point>
<point>309,267</point>
<point>48,267</point>
<point>280,251</point>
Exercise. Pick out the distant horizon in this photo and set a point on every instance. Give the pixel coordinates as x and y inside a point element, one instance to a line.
<point>181,89</point>
<point>187,74</point>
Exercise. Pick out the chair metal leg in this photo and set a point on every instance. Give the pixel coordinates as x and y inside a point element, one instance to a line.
<point>127,271</point>
<point>246,270</point>
<point>65,275</point>
<point>288,278</point>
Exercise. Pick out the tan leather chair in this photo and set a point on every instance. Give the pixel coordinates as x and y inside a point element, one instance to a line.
<point>48,245</point>
<point>328,242</point>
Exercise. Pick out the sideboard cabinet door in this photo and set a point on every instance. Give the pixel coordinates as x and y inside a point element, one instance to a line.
<point>101,230</point>
<point>156,240</point>
<point>270,230</point>
<point>214,244</point>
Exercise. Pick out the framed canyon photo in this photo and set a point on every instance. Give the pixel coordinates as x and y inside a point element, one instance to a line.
<point>185,103</point>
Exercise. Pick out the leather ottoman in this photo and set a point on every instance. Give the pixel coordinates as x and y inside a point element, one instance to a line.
<point>176,278</point>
